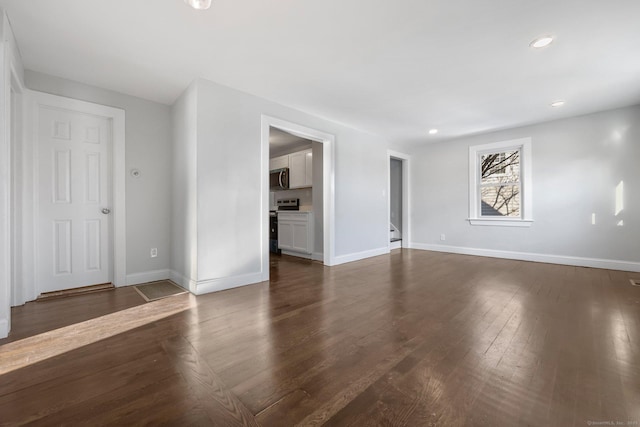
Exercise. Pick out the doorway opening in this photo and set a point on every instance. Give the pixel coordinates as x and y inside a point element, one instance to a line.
<point>295,195</point>
<point>297,211</point>
<point>398,203</point>
<point>395,203</point>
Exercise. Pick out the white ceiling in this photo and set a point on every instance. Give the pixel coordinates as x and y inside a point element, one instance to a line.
<point>284,142</point>
<point>394,68</point>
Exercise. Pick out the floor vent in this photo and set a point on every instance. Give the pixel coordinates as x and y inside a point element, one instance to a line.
<point>635,282</point>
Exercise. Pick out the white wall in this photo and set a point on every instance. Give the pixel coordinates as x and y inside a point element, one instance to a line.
<point>148,148</point>
<point>229,186</point>
<point>318,217</point>
<point>184,202</point>
<point>10,65</point>
<point>577,165</point>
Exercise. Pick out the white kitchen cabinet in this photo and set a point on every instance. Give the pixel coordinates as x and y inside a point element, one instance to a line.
<point>301,169</point>
<point>279,162</point>
<point>295,232</point>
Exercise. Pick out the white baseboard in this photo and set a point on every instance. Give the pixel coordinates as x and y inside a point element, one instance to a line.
<point>183,281</point>
<point>342,259</point>
<point>298,254</point>
<point>223,283</point>
<point>148,276</point>
<point>4,328</point>
<point>609,264</point>
<point>316,256</point>
<point>395,245</point>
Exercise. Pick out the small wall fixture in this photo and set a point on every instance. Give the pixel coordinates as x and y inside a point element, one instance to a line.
<point>199,4</point>
<point>433,131</point>
<point>558,103</point>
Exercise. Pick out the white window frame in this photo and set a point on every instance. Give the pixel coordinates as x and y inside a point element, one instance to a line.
<point>475,154</point>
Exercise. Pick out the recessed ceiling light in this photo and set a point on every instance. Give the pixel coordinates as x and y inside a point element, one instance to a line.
<point>199,4</point>
<point>433,131</point>
<point>541,42</point>
<point>558,103</point>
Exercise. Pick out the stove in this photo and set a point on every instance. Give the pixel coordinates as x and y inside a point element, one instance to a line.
<point>288,204</point>
<point>273,232</point>
<point>283,205</point>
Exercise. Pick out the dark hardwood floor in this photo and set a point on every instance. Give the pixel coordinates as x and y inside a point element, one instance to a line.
<point>414,338</point>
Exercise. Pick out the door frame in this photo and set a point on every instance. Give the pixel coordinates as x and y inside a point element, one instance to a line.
<point>328,186</point>
<point>116,118</point>
<point>406,202</point>
<point>16,128</point>
<point>11,87</point>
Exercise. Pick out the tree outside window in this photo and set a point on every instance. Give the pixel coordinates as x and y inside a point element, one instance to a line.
<point>500,184</point>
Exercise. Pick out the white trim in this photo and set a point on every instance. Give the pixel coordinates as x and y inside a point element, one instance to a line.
<point>148,276</point>
<point>328,186</point>
<point>183,281</point>
<point>297,254</point>
<point>18,196</point>
<point>4,328</point>
<point>522,144</point>
<point>406,195</point>
<point>342,259</point>
<point>224,283</point>
<point>316,256</point>
<point>118,197</point>
<point>116,116</point>
<point>396,245</point>
<point>12,72</point>
<point>501,222</point>
<point>609,264</point>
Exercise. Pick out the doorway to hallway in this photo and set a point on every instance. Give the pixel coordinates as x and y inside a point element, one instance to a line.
<point>395,203</point>
<point>398,200</point>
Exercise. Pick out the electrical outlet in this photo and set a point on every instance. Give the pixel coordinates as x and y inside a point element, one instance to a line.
<point>443,237</point>
<point>154,252</point>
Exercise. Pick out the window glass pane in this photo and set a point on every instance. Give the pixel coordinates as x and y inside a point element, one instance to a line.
<point>500,200</point>
<point>500,168</point>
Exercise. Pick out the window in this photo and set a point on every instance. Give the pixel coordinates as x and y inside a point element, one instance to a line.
<point>500,183</point>
<point>500,180</point>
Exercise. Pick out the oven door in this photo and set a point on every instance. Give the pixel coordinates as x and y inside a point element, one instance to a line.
<point>279,179</point>
<point>273,233</point>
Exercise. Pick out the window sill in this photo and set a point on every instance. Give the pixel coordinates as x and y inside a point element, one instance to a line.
<point>501,222</point>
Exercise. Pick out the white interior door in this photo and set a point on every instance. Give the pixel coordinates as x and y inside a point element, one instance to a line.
<point>74,199</point>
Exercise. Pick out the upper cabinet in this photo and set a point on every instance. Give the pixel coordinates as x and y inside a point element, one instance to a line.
<point>279,162</point>
<point>300,169</point>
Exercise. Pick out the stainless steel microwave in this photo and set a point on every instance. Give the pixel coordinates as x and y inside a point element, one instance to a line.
<point>279,179</point>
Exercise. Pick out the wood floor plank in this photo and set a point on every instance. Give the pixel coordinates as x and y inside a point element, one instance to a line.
<point>36,317</point>
<point>411,338</point>
<point>43,402</point>
<point>17,354</point>
<point>213,395</point>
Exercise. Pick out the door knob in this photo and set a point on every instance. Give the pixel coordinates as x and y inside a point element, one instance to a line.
<point>106,211</point>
